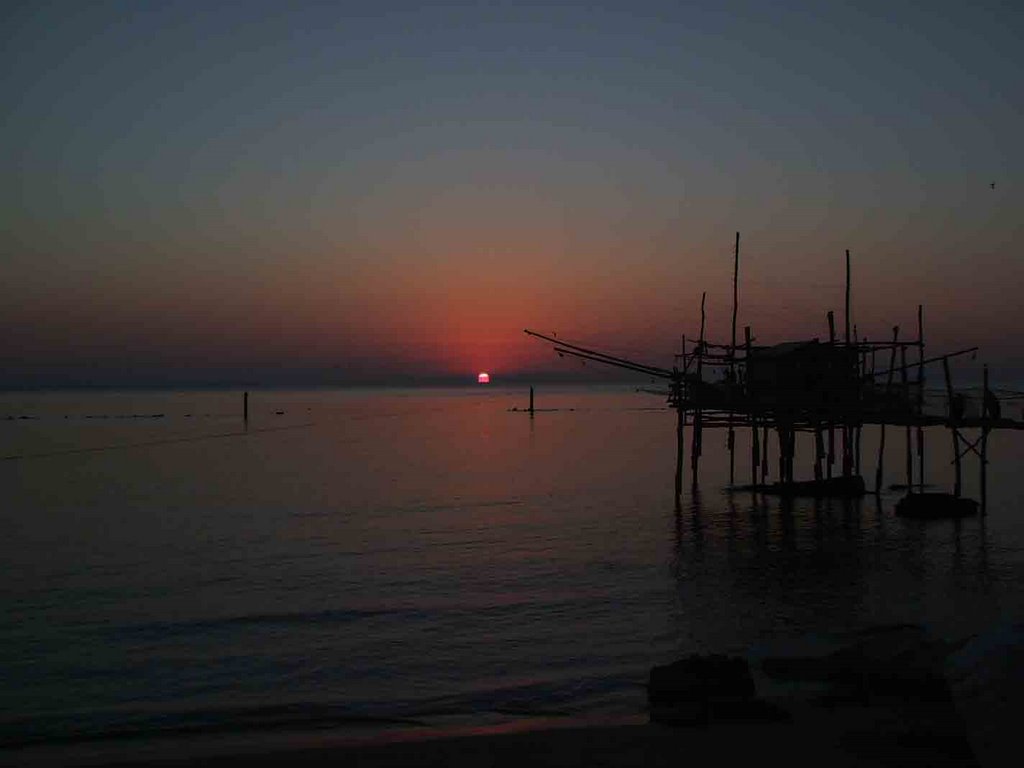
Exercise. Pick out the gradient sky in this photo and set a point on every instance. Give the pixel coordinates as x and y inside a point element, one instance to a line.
<point>329,192</point>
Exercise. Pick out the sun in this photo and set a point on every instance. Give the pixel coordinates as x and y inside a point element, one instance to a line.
<point>483,378</point>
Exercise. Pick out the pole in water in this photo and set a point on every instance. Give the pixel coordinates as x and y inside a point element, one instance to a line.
<point>531,401</point>
<point>955,414</point>
<point>245,407</point>
<point>986,415</point>
<point>680,421</point>
<point>732,362</point>
<point>920,395</point>
<point>831,426</point>
<point>881,427</point>
<point>698,413</point>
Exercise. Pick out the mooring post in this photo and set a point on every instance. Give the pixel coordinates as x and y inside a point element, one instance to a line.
<point>885,414</point>
<point>245,407</point>
<point>531,401</point>
<point>954,420</point>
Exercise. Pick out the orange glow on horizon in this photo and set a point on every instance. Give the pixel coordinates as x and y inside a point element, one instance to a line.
<point>483,378</point>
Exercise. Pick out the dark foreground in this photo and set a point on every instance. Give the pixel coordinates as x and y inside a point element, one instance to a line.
<point>889,734</point>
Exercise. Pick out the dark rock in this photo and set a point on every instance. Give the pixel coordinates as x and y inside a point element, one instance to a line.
<point>698,678</point>
<point>901,663</point>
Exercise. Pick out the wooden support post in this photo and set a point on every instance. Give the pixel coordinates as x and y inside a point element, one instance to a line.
<point>680,420</point>
<point>819,451</point>
<point>847,457</point>
<point>855,429</point>
<point>764,454</point>
<point>792,453</point>
<point>783,453</point>
<point>831,424</point>
<point>984,441</point>
<point>245,407</point>
<point>754,447</point>
<point>920,396</point>
<point>856,450</point>
<point>907,411</point>
<point>698,405</point>
<point>954,421</point>
<point>885,415</point>
<point>732,362</point>
<point>847,309</point>
<point>531,401</point>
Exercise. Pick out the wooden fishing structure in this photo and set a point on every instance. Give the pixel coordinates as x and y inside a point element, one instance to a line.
<point>830,389</point>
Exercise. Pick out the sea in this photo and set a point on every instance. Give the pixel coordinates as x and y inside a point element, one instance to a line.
<point>347,563</point>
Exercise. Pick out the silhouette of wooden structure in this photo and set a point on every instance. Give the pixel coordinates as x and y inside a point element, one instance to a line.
<point>829,388</point>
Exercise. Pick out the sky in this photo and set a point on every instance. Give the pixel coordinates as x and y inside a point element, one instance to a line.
<point>328,193</point>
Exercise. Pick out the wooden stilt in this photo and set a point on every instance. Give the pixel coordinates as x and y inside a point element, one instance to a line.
<point>819,452</point>
<point>792,455</point>
<point>954,421</point>
<point>847,445</point>
<point>783,454</point>
<point>698,405</point>
<point>754,447</point>
<point>888,395</point>
<point>906,403</point>
<point>831,424</point>
<point>732,360</point>
<point>984,442</point>
<point>680,419</point>
<point>920,396</point>
<point>764,454</point>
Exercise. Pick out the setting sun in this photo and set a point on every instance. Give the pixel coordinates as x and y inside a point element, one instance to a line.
<point>483,378</point>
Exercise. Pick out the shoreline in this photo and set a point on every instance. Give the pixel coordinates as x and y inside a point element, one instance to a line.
<point>890,732</point>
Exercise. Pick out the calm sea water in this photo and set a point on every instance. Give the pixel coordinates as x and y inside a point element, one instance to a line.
<point>386,556</point>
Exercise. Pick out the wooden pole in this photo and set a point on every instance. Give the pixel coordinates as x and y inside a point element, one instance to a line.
<point>881,434</point>
<point>855,431</point>
<point>698,406</point>
<point>245,407</point>
<point>782,454</point>
<point>907,411</point>
<point>732,360</point>
<point>920,395</point>
<point>680,419</point>
<point>847,459</point>
<point>531,401</point>
<point>984,441</point>
<point>954,420</point>
<point>754,447</point>
<point>764,454</point>
<point>847,309</point>
<point>831,424</point>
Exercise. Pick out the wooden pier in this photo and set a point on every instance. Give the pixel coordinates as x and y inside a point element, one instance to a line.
<point>821,387</point>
